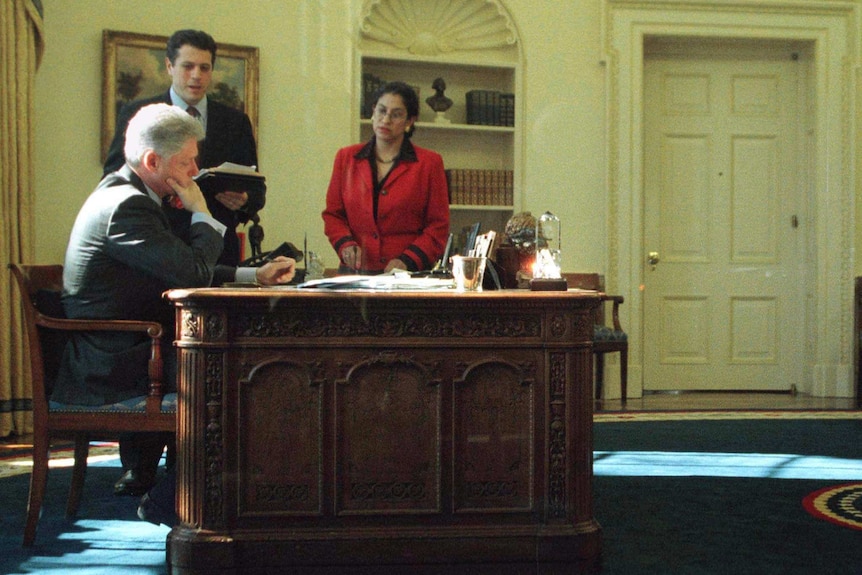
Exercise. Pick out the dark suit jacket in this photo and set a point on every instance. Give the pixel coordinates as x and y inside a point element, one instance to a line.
<point>229,138</point>
<point>122,256</point>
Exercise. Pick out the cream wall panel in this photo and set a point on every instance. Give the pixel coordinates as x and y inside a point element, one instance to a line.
<point>565,141</point>
<point>306,64</point>
<point>304,115</point>
<point>306,60</point>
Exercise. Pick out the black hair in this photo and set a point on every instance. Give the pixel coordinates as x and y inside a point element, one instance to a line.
<point>197,38</point>
<point>408,96</point>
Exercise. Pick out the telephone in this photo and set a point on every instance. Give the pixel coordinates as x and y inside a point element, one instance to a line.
<point>285,249</point>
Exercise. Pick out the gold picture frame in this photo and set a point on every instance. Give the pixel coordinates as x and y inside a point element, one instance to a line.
<point>133,68</point>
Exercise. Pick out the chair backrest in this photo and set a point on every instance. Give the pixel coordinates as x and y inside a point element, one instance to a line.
<point>40,287</point>
<point>590,281</point>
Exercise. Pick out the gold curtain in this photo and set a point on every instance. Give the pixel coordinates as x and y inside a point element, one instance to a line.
<point>21,48</point>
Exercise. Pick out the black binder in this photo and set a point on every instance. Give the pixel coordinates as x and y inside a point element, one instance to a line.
<point>234,178</point>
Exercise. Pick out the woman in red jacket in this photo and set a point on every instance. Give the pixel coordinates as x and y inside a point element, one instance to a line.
<point>387,205</point>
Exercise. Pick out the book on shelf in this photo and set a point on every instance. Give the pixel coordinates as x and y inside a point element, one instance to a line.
<point>490,108</point>
<point>507,109</point>
<point>479,187</point>
<point>370,84</point>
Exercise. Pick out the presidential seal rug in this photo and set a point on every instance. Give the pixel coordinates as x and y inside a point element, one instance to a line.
<point>839,504</point>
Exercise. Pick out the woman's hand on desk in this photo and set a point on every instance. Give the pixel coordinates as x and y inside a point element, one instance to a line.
<point>352,257</point>
<point>278,271</point>
<point>395,264</point>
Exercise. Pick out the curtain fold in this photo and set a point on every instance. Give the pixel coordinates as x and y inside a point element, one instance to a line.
<point>21,49</point>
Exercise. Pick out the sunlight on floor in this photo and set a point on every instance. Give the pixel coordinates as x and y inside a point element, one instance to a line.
<point>697,464</point>
<point>63,461</point>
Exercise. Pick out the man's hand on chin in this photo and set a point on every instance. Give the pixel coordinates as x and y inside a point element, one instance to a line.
<point>190,196</point>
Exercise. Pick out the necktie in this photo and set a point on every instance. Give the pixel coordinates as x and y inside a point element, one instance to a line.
<point>194,113</point>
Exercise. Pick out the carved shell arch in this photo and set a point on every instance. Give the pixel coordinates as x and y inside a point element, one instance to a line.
<point>433,27</point>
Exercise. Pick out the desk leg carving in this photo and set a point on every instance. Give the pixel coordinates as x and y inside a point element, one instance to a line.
<point>214,442</point>
<point>557,438</point>
<point>207,550</point>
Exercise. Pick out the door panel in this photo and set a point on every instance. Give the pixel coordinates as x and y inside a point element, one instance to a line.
<point>721,305</point>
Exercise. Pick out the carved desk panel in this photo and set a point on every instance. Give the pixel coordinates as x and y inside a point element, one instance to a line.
<point>341,431</point>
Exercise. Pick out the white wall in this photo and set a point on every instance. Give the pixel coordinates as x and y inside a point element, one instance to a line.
<point>306,69</point>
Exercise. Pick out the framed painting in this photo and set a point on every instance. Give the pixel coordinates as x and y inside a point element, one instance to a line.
<point>133,68</point>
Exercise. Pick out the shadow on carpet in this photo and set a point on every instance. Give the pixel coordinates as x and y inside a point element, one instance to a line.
<point>107,538</point>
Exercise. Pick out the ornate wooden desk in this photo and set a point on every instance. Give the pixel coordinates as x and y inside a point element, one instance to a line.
<point>343,432</point>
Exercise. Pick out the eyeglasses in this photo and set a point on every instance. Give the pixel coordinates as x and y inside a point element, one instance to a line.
<point>395,115</point>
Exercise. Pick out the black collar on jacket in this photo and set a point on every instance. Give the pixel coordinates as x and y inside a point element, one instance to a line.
<point>407,153</point>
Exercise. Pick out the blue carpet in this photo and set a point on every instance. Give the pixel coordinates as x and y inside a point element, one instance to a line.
<point>107,538</point>
<point>673,497</point>
<point>724,497</point>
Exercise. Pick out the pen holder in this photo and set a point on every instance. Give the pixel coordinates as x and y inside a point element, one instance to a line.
<point>468,272</point>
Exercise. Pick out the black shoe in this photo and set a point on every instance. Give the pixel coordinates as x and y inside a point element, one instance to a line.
<point>134,483</point>
<point>149,511</point>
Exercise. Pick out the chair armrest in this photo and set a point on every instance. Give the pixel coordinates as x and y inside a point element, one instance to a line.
<point>615,313</point>
<point>153,329</point>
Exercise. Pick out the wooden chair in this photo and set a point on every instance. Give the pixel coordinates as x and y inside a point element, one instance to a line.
<point>606,339</point>
<point>46,332</point>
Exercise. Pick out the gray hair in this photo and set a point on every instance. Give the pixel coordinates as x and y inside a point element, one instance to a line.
<point>162,128</point>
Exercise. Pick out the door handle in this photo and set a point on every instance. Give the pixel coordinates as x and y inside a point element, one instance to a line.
<point>653,259</point>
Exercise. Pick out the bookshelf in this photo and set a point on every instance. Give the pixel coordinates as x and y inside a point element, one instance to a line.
<point>476,143</point>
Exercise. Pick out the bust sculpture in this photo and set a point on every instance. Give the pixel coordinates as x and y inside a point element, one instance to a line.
<point>439,102</point>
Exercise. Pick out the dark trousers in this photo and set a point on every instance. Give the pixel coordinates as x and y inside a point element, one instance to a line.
<point>164,496</point>
<point>142,451</point>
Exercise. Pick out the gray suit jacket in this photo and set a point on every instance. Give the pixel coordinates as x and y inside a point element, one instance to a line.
<point>229,138</point>
<point>121,257</point>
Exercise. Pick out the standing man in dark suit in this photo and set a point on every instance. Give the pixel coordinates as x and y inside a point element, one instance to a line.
<point>122,255</point>
<point>189,60</point>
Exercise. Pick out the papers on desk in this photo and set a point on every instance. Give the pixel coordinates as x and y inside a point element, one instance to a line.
<point>393,282</point>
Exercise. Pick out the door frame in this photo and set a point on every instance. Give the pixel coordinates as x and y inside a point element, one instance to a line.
<point>830,27</point>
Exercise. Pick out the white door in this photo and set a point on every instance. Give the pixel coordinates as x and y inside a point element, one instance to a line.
<point>722,212</point>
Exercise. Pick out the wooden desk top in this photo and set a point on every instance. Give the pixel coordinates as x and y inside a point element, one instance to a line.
<point>265,292</point>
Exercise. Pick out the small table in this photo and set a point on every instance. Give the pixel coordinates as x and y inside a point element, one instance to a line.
<point>354,431</point>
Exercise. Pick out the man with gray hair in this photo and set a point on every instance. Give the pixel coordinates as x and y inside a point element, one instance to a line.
<point>190,57</point>
<point>122,255</point>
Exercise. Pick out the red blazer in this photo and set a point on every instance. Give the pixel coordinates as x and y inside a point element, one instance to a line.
<point>412,212</point>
